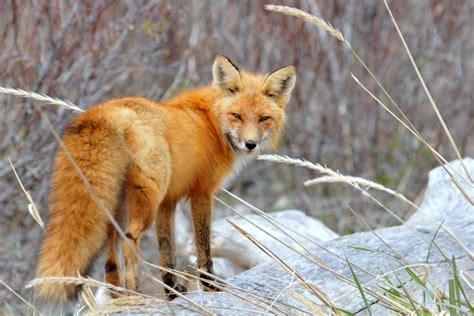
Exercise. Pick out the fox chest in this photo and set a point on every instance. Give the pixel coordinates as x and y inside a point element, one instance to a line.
<point>240,162</point>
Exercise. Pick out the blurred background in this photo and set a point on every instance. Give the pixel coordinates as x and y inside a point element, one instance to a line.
<point>90,51</point>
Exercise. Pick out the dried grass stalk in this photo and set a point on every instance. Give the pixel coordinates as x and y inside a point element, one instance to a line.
<point>20,297</point>
<point>40,97</point>
<point>85,282</point>
<point>331,176</point>
<point>31,206</point>
<point>310,19</point>
<point>134,304</point>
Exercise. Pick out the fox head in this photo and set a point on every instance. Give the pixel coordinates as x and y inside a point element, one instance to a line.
<point>251,107</point>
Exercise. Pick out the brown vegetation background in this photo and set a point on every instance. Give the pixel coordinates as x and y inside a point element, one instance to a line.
<point>90,51</point>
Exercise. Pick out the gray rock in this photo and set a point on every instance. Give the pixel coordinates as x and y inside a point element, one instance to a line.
<point>443,201</point>
<point>228,243</point>
<point>270,279</point>
<point>383,253</point>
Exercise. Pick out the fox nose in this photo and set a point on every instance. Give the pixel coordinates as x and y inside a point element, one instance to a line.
<point>250,144</point>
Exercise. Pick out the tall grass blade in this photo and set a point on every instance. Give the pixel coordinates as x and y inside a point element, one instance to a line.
<point>407,295</point>
<point>452,297</point>
<point>432,242</point>
<point>360,288</point>
<point>459,286</point>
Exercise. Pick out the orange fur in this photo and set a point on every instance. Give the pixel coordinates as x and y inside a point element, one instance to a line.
<point>156,153</point>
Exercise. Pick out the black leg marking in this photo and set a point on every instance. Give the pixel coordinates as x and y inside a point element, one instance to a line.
<point>169,279</point>
<point>129,236</point>
<point>208,285</point>
<point>110,266</point>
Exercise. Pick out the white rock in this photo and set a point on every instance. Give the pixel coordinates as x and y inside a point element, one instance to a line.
<point>227,242</point>
<point>442,200</point>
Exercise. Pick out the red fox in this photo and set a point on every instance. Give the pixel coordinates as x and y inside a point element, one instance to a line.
<point>150,155</point>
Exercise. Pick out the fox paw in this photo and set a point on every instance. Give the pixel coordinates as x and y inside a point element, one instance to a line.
<point>177,287</point>
<point>210,286</point>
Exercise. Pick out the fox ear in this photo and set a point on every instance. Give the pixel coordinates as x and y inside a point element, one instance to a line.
<point>225,74</point>
<point>280,83</point>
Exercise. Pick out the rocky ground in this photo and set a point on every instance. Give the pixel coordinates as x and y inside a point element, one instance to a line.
<point>313,274</point>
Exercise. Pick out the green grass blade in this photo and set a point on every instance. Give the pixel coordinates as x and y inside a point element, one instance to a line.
<point>432,242</point>
<point>361,248</point>
<point>415,277</point>
<point>459,286</point>
<point>452,298</point>
<point>420,282</point>
<point>359,287</point>
<point>412,303</point>
<point>397,296</point>
<point>346,312</point>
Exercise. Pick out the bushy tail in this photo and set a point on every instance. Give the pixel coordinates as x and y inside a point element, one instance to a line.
<point>77,226</point>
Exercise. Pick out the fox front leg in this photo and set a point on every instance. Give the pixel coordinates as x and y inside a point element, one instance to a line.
<point>165,237</point>
<point>201,206</point>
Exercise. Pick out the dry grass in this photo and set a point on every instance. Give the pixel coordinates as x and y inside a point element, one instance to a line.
<point>32,205</point>
<point>40,98</point>
<point>331,176</point>
<point>310,19</point>
<point>310,256</point>
<point>432,102</point>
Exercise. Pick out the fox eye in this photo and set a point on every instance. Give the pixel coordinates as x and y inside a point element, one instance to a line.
<point>237,116</point>
<point>271,95</point>
<point>264,118</point>
<point>233,90</point>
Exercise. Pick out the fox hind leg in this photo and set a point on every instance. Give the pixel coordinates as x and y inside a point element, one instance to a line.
<point>143,195</point>
<point>112,267</point>
<point>111,258</point>
<point>166,243</point>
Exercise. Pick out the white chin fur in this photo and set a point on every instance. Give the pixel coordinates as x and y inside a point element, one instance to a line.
<point>241,159</point>
<point>102,295</point>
